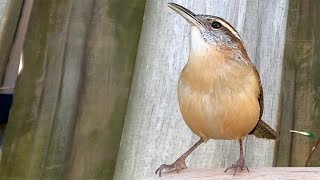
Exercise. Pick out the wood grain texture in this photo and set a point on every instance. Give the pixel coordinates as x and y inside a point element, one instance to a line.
<point>12,68</point>
<point>70,101</point>
<point>154,132</point>
<point>301,84</point>
<point>111,47</point>
<point>255,173</point>
<point>9,18</point>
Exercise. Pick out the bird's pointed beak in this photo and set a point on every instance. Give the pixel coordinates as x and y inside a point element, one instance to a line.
<point>189,16</point>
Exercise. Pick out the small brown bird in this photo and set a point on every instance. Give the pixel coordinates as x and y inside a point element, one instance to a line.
<point>219,91</point>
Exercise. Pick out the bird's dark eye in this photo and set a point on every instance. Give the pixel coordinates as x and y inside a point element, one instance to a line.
<point>216,25</point>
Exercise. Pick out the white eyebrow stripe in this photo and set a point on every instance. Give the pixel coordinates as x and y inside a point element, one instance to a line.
<point>231,29</point>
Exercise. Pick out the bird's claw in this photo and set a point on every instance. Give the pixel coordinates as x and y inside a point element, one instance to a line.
<point>177,166</point>
<point>238,166</point>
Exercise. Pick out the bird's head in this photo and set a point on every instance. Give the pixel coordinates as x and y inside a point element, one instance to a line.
<point>210,32</point>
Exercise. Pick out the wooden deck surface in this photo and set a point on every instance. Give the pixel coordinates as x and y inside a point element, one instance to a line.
<point>255,173</point>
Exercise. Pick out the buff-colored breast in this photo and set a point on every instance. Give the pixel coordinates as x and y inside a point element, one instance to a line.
<point>218,97</point>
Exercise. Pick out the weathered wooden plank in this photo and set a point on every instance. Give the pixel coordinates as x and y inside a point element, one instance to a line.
<point>12,68</point>
<point>255,173</point>
<point>9,17</point>
<point>301,84</point>
<point>71,98</point>
<point>112,43</point>
<point>154,132</point>
<point>33,116</point>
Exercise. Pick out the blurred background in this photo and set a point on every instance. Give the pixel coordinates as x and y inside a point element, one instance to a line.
<point>97,94</point>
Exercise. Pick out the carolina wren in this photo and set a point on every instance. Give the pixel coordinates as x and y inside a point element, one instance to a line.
<point>219,90</point>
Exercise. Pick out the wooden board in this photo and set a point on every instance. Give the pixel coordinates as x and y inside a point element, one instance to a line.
<point>255,173</point>
<point>300,105</point>
<point>154,132</point>
<point>71,99</point>
<point>9,17</point>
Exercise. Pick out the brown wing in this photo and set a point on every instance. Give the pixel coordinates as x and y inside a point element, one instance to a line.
<point>260,99</point>
<point>262,129</point>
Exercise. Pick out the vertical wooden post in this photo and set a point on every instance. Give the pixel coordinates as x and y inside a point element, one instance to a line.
<point>71,99</point>
<point>9,17</point>
<point>301,84</point>
<point>154,132</point>
<point>12,67</point>
<point>111,48</point>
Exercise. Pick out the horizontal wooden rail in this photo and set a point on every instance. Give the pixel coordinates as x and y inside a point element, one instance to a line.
<point>255,173</point>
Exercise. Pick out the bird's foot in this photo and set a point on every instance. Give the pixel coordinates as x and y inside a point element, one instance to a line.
<point>177,166</point>
<point>238,166</point>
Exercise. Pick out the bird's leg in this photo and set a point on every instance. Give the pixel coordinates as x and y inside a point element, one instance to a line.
<point>240,162</point>
<point>180,162</point>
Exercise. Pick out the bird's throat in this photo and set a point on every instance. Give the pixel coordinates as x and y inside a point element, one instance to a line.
<point>198,45</point>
